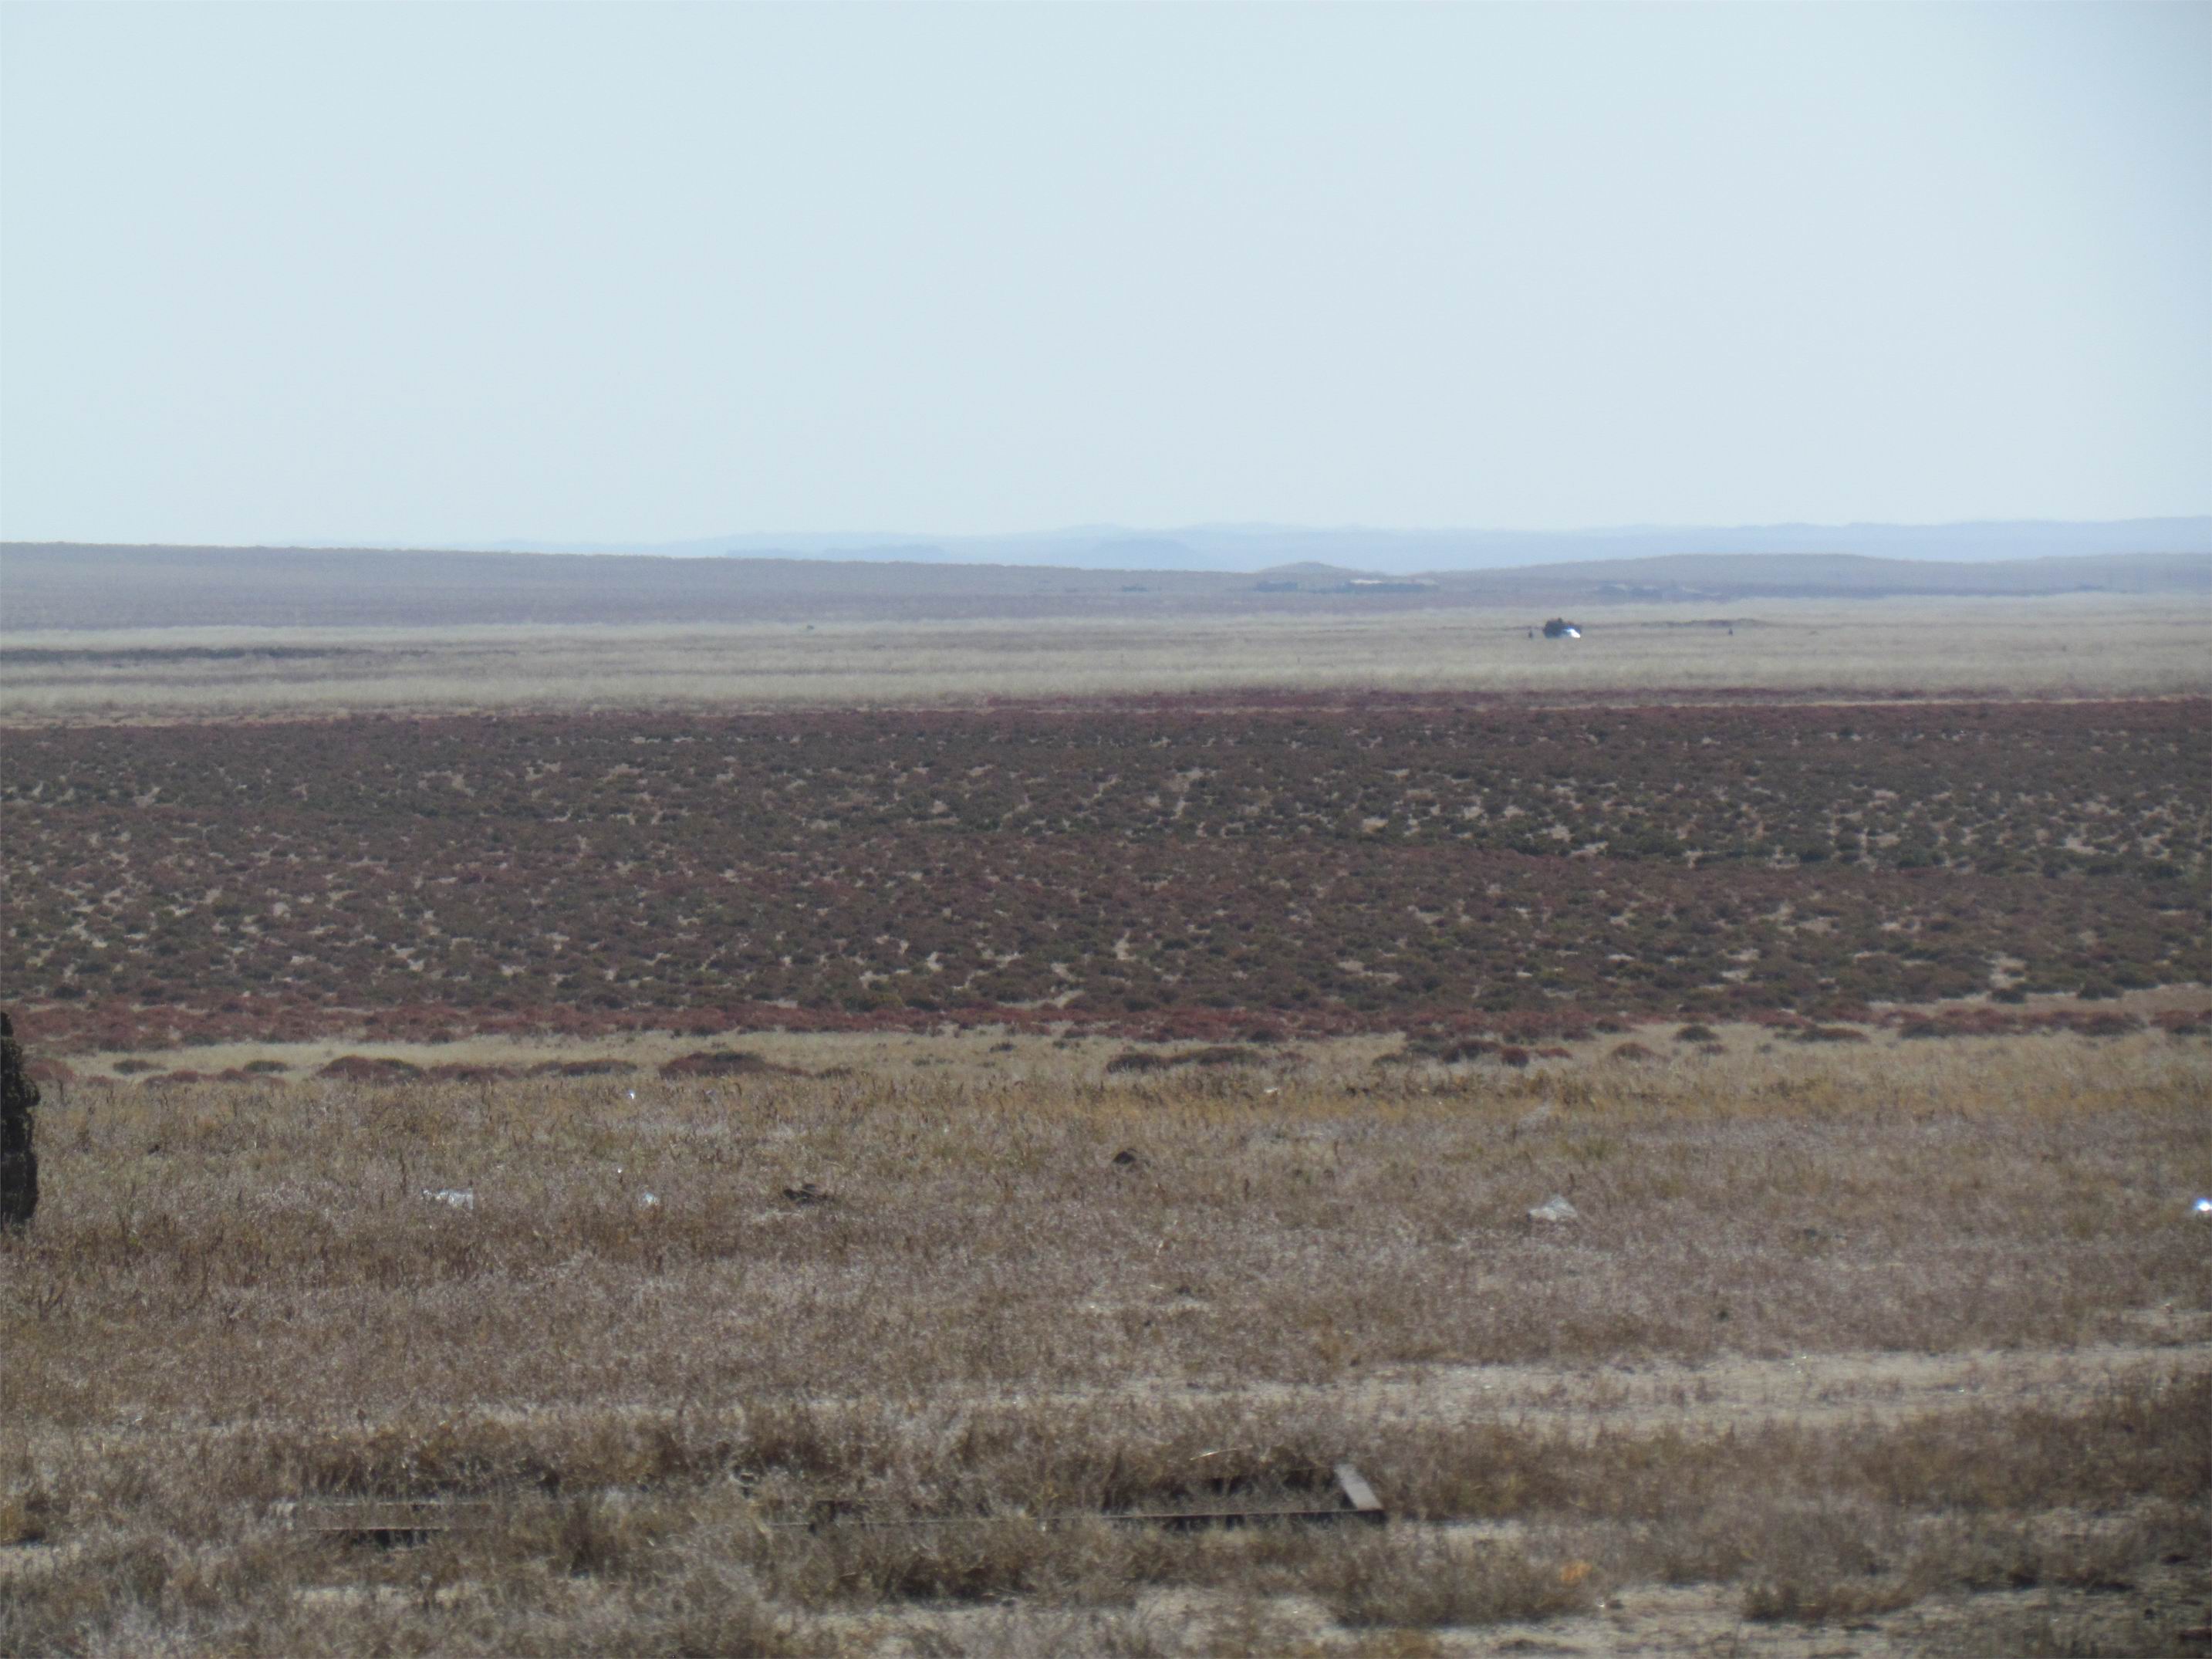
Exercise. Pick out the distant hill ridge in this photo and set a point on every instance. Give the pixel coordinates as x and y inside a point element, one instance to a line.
<point>1691,575</point>
<point>64,587</point>
<point>1253,548</point>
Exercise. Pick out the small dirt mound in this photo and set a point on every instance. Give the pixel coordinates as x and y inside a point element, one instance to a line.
<point>1465,1049</point>
<point>1219,1055</point>
<point>1136,1060</point>
<point>2109,1024</point>
<point>1633,1053</point>
<point>582,1068</point>
<point>364,1068</point>
<point>454,1072</point>
<point>725,1062</point>
<point>1829,1034</point>
<point>1456,1051</point>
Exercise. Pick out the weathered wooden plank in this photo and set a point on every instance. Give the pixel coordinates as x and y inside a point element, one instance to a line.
<point>1359,1497</point>
<point>389,1521</point>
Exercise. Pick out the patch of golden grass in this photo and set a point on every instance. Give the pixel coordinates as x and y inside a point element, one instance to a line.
<point>709,1423</point>
<point>2084,645</point>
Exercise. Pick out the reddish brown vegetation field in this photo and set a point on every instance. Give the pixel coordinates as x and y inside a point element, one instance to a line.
<point>1693,1336</point>
<point>1159,869</point>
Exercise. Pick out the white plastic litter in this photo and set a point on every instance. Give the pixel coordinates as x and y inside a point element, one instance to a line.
<point>461,1198</point>
<point>2203,1206</point>
<point>647,1201</point>
<point>1554,1208</point>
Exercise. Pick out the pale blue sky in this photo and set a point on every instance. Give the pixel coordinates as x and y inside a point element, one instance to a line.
<point>448,273</point>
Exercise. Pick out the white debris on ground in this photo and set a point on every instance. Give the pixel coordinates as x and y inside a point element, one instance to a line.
<point>460,1197</point>
<point>1554,1208</point>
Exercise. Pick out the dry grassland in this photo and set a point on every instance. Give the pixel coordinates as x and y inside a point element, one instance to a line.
<point>1906,1347</point>
<point>2084,645</point>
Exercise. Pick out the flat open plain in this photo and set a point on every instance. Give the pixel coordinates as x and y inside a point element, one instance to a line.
<point>765,1150</point>
<point>851,1346</point>
<point>2088,645</point>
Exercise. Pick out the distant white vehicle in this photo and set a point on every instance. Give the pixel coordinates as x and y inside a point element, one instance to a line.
<point>1560,628</point>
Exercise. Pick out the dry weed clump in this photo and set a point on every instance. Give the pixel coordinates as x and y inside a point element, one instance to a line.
<point>722,1422</point>
<point>1413,1579</point>
<point>1139,1059</point>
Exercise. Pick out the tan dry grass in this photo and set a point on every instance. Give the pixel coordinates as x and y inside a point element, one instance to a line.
<point>237,1297</point>
<point>2082,645</point>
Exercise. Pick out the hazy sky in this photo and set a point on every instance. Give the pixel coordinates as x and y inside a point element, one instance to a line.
<point>447,273</point>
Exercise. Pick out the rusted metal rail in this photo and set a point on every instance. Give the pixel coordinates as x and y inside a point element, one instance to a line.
<point>400,1521</point>
<point>1355,1501</point>
<point>386,1521</point>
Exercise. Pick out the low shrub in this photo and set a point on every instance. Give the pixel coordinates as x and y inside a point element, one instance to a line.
<point>724,1062</point>
<point>361,1068</point>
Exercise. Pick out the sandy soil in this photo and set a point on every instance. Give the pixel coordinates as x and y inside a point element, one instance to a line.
<point>1805,1389</point>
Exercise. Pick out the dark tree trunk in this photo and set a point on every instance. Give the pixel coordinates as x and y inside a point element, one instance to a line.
<point>19,1162</point>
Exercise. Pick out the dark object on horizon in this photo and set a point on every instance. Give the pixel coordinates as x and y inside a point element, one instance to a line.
<point>1560,628</point>
<point>19,1162</point>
